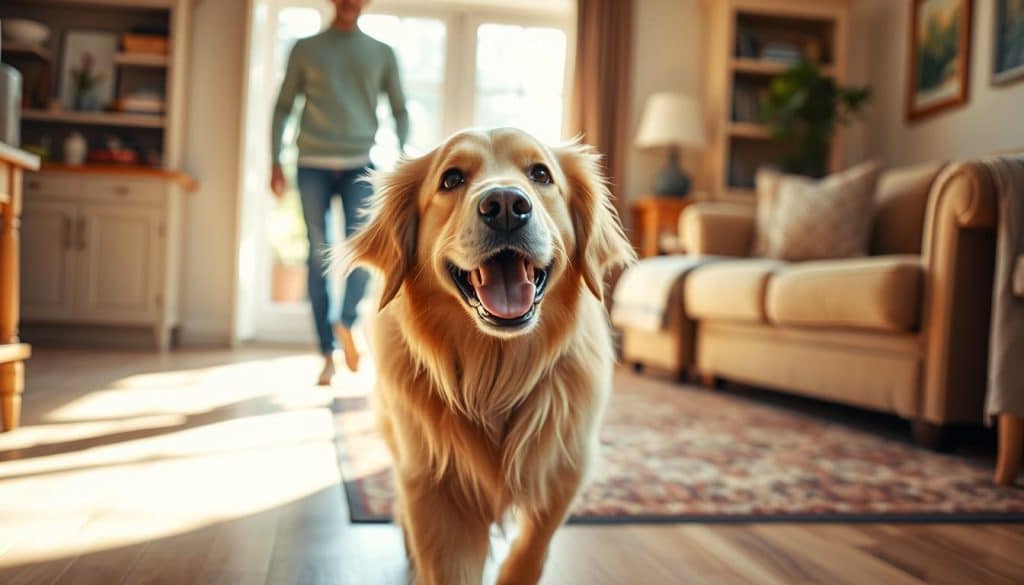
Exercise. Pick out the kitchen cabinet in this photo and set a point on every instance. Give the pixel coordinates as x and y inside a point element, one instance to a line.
<point>104,251</point>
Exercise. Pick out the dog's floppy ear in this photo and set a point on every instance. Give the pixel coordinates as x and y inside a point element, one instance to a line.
<point>600,242</point>
<point>388,240</point>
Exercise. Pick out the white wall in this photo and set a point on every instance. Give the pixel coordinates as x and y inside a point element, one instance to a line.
<point>992,119</point>
<point>211,155</point>
<point>668,45</point>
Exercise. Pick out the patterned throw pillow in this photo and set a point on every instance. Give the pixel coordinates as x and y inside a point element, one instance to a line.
<point>766,185</point>
<point>808,219</point>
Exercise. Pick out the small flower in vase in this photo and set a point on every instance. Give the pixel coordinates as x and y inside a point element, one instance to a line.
<point>85,80</point>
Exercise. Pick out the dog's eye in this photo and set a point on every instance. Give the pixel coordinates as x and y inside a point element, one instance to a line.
<point>451,179</point>
<point>540,174</point>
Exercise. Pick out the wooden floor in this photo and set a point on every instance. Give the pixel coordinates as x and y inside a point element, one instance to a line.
<point>219,467</point>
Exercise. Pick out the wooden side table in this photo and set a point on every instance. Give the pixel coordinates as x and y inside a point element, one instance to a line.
<point>654,216</point>
<point>12,353</point>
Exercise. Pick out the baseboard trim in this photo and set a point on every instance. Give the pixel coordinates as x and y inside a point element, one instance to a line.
<point>202,333</point>
<point>82,335</point>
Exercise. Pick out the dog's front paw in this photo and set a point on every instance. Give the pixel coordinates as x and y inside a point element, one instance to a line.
<point>520,569</point>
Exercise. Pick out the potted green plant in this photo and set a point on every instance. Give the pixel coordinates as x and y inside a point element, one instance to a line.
<point>802,109</point>
<point>84,80</point>
<point>287,234</point>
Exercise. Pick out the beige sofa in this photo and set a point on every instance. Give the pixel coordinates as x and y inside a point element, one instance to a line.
<point>904,330</point>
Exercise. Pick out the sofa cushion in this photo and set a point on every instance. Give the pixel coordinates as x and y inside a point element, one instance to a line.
<point>879,293</point>
<point>900,206</point>
<point>730,290</point>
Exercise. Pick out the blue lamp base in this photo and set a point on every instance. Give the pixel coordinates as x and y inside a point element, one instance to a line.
<point>671,180</point>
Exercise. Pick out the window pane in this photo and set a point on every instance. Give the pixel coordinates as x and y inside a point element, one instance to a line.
<point>419,44</point>
<point>520,78</point>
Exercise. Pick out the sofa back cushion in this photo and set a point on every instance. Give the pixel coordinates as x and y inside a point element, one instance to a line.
<point>809,219</point>
<point>900,206</point>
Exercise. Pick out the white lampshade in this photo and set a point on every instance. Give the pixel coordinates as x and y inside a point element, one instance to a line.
<point>671,119</point>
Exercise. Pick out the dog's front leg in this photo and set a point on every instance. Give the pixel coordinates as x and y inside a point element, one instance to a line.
<point>447,546</point>
<point>525,561</point>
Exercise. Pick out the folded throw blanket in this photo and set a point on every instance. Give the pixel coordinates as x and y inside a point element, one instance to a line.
<point>641,298</point>
<point>1006,353</point>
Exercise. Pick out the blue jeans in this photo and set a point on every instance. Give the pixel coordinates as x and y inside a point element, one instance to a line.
<point>317,187</point>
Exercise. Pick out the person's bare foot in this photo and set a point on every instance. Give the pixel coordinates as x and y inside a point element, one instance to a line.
<point>327,373</point>
<point>348,345</point>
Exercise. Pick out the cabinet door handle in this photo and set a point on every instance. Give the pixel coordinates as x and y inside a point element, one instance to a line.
<point>81,233</point>
<point>67,233</point>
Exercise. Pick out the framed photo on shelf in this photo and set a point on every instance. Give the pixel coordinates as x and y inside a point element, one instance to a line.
<point>1008,42</point>
<point>87,70</point>
<point>940,54</point>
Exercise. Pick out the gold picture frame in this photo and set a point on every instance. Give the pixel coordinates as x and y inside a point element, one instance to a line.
<point>1008,42</point>
<point>939,56</point>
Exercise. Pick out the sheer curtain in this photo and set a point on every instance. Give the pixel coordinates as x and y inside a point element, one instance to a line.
<point>600,102</point>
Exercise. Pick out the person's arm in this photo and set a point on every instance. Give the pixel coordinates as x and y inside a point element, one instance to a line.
<point>290,87</point>
<point>396,97</point>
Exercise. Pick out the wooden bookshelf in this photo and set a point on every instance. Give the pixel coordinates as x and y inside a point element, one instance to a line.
<point>117,119</point>
<point>749,130</point>
<point>140,60</point>
<point>767,67</point>
<point>29,49</point>
<point>745,40</point>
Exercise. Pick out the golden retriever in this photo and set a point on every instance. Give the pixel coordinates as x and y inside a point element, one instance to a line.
<point>493,351</point>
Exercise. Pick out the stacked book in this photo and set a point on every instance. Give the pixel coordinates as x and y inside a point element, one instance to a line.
<point>142,102</point>
<point>781,52</point>
<point>746,103</point>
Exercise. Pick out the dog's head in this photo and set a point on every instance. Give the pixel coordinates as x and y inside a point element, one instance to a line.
<point>493,222</point>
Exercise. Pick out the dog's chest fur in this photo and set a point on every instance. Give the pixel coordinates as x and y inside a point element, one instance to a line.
<point>499,421</point>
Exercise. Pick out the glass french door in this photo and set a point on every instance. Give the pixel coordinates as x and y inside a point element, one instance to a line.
<point>460,68</point>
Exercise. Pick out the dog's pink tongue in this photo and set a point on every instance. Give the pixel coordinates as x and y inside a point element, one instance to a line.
<point>504,287</point>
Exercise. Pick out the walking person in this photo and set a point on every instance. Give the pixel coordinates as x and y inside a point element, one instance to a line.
<point>341,72</point>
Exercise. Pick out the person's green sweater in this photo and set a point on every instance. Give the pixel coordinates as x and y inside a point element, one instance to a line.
<point>341,74</point>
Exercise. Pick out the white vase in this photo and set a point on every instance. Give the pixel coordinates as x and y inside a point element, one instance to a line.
<point>75,149</point>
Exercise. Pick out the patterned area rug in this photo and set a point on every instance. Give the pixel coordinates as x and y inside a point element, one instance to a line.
<point>673,453</point>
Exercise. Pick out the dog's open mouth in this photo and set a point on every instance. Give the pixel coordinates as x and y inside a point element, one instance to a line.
<point>505,289</point>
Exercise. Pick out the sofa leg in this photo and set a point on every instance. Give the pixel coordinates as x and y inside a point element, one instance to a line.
<point>931,435</point>
<point>710,381</point>
<point>1011,448</point>
<point>683,375</point>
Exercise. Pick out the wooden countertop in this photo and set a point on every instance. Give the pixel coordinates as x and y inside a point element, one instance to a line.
<point>187,183</point>
<point>18,157</point>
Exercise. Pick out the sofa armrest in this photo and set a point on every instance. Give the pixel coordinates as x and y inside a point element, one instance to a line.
<point>958,252</point>
<point>717,229</point>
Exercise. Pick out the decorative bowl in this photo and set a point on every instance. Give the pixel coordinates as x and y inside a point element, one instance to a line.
<point>24,30</point>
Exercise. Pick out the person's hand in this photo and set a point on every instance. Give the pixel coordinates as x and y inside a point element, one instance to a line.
<point>277,182</point>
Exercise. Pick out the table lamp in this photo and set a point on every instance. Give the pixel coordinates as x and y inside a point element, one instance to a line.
<point>671,120</point>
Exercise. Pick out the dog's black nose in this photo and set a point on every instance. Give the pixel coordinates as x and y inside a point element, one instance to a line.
<point>505,209</point>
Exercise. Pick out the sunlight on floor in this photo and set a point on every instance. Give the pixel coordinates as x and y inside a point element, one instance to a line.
<point>157,453</point>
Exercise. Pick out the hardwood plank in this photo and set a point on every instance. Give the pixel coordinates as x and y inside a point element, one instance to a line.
<point>44,573</point>
<point>806,543</point>
<point>173,560</point>
<point>913,551</point>
<point>104,567</point>
<point>242,546</point>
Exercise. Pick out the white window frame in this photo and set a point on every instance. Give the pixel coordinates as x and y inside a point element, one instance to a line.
<point>462,19</point>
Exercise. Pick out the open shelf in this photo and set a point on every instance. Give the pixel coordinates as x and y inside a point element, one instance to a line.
<point>750,130</point>
<point>768,67</point>
<point>94,118</point>
<point>21,48</point>
<point>140,60</point>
